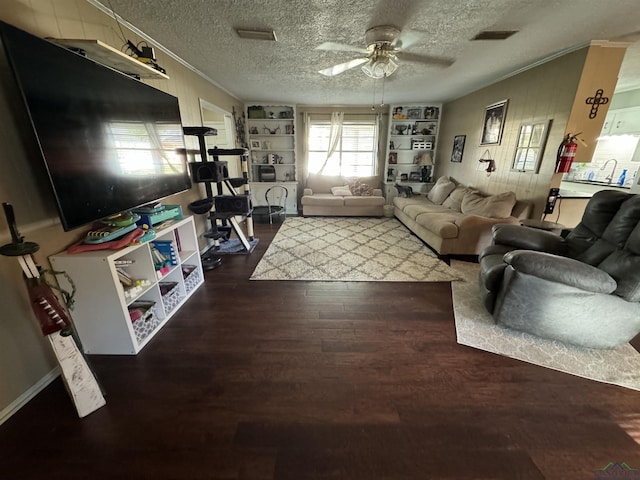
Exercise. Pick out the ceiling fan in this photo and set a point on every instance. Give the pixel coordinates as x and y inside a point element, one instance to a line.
<point>383,52</point>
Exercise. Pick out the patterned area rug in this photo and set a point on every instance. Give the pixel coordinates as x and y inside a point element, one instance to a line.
<point>475,328</point>
<point>349,249</point>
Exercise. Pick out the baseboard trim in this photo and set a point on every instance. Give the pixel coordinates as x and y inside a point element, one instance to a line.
<point>23,399</point>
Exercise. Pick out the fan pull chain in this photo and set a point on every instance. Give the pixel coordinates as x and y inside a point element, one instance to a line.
<point>373,101</point>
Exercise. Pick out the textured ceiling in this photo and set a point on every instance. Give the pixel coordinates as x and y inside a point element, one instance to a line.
<point>201,32</point>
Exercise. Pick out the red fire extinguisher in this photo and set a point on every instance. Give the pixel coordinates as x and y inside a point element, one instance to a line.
<point>566,153</point>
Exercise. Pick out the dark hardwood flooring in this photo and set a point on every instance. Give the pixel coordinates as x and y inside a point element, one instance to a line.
<point>312,380</point>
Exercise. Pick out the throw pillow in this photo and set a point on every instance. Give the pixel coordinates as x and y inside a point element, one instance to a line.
<point>360,189</point>
<point>441,190</point>
<point>454,200</point>
<point>341,190</point>
<point>493,206</point>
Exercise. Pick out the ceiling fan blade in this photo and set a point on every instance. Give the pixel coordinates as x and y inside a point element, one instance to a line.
<point>343,67</point>
<point>407,38</point>
<point>341,47</point>
<point>414,57</point>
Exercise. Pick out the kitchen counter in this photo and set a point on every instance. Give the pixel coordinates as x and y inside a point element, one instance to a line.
<point>585,189</point>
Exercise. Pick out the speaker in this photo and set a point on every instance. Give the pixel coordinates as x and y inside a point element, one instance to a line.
<point>233,204</point>
<point>209,172</point>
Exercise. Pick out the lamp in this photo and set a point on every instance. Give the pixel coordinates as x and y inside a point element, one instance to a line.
<point>426,163</point>
<point>380,65</point>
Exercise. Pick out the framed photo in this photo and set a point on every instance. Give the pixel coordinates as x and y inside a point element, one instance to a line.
<point>414,176</point>
<point>393,158</point>
<point>414,113</point>
<point>431,113</point>
<point>493,123</point>
<point>458,148</point>
<point>255,145</point>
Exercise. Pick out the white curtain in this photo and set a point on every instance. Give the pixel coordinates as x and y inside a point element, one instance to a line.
<point>335,133</point>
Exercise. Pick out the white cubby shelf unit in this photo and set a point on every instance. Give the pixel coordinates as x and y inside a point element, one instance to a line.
<point>103,304</point>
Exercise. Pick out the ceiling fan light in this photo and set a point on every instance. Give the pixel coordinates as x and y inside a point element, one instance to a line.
<point>380,67</point>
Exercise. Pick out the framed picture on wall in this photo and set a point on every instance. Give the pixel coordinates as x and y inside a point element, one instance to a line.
<point>458,148</point>
<point>493,123</point>
<point>414,113</point>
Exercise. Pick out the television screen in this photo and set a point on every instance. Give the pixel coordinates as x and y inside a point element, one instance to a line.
<point>110,143</point>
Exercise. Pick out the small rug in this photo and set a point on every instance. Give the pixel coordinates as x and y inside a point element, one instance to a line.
<point>234,247</point>
<point>349,249</point>
<point>475,328</point>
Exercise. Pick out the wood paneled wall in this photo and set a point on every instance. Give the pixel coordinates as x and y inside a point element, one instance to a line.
<point>545,92</point>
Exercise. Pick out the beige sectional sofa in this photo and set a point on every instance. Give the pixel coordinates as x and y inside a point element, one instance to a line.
<point>340,196</point>
<point>454,219</point>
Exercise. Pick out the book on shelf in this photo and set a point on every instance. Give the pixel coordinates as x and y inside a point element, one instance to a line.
<point>125,279</point>
<point>167,249</point>
<point>124,261</point>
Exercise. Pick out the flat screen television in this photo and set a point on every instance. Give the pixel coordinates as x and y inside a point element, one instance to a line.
<point>110,143</point>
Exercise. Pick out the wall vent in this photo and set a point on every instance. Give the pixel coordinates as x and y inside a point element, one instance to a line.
<point>494,34</point>
<point>268,35</point>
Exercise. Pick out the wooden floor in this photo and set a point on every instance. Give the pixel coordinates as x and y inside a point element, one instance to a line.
<point>301,380</point>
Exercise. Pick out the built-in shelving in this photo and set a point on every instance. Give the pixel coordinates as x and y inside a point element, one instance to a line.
<point>271,130</point>
<point>412,141</point>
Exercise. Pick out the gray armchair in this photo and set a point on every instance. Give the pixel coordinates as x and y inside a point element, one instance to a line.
<point>581,288</point>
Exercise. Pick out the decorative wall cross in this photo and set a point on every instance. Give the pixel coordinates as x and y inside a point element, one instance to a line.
<point>595,102</point>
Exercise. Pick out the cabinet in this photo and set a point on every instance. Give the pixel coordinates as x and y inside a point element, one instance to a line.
<point>113,319</point>
<point>621,121</point>
<point>271,130</point>
<point>411,147</point>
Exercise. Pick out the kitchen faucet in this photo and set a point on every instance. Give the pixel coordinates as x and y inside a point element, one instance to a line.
<point>609,178</point>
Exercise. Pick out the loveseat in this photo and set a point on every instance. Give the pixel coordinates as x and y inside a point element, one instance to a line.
<point>340,196</point>
<point>454,219</point>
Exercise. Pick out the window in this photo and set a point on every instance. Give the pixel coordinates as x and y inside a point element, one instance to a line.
<point>355,155</point>
<point>531,142</point>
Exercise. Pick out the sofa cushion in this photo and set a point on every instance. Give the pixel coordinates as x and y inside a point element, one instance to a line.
<point>413,210</point>
<point>363,201</point>
<point>441,190</point>
<point>492,206</point>
<point>341,190</point>
<point>402,202</point>
<point>323,200</point>
<point>323,183</point>
<point>442,224</point>
<point>454,200</point>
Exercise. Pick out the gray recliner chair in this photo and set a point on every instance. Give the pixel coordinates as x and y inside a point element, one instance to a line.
<point>582,287</point>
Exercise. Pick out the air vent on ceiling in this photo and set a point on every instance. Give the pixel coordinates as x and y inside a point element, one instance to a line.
<point>494,34</point>
<point>268,35</point>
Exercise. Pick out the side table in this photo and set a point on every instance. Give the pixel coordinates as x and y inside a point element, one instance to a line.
<point>542,225</point>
